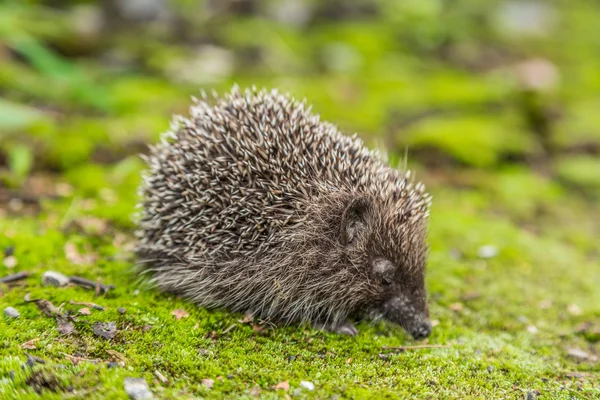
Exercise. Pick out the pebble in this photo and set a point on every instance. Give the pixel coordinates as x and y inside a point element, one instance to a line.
<point>11,312</point>
<point>121,310</point>
<point>137,389</point>
<point>578,354</point>
<point>10,262</point>
<point>53,278</point>
<point>487,251</point>
<point>307,385</point>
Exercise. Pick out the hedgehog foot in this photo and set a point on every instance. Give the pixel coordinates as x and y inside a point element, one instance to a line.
<point>346,328</point>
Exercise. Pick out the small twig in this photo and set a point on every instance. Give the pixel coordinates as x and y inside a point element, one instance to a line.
<point>15,277</point>
<point>87,304</point>
<point>87,284</point>
<point>75,359</point>
<point>400,349</point>
<point>228,329</point>
<point>34,359</point>
<point>116,355</point>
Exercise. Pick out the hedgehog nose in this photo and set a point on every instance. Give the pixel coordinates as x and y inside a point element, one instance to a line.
<point>422,331</point>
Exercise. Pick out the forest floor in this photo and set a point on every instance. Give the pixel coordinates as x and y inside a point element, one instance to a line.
<point>514,268</point>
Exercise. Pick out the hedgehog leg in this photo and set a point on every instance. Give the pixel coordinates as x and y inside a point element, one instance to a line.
<point>346,328</point>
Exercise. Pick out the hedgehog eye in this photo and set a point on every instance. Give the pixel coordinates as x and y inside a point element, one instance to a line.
<point>384,269</point>
<point>354,220</point>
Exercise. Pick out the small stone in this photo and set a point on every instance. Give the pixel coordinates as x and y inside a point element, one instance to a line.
<point>137,389</point>
<point>209,64</point>
<point>578,354</point>
<point>537,75</point>
<point>487,251</point>
<point>112,364</point>
<point>490,369</point>
<point>12,312</point>
<point>307,385</point>
<point>53,278</point>
<point>531,395</point>
<point>574,309</point>
<point>526,18</point>
<point>545,304</point>
<point>10,262</point>
<point>121,310</point>
<point>208,383</point>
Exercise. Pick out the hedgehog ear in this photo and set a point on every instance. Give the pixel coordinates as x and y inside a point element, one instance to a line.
<point>354,220</point>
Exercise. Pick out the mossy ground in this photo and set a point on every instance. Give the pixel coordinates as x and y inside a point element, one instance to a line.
<point>522,321</point>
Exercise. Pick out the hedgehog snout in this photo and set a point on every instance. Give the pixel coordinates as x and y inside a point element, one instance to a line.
<point>422,331</point>
<point>402,311</point>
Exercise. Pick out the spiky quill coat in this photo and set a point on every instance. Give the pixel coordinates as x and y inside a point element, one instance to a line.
<point>250,204</point>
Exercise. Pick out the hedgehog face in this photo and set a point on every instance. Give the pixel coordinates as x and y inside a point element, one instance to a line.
<point>406,301</point>
<point>399,269</point>
<point>394,254</point>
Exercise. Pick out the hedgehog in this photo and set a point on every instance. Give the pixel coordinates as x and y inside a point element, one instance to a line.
<point>253,204</point>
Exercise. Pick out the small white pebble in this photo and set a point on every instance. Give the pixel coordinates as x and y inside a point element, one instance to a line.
<point>10,262</point>
<point>137,389</point>
<point>53,278</point>
<point>487,251</point>
<point>532,329</point>
<point>11,312</point>
<point>307,385</point>
<point>574,309</point>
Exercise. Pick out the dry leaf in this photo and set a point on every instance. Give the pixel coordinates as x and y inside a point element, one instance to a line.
<point>65,327</point>
<point>180,313</point>
<point>457,307</point>
<point>106,330</point>
<point>285,385</point>
<point>30,345</point>
<point>85,311</point>
<point>208,383</point>
<point>116,355</point>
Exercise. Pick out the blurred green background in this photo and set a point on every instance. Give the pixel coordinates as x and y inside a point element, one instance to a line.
<point>496,103</point>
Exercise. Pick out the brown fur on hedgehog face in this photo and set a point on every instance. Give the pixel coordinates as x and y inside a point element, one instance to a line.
<point>391,252</point>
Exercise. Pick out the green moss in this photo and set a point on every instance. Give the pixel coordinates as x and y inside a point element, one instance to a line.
<point>416,74</point>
